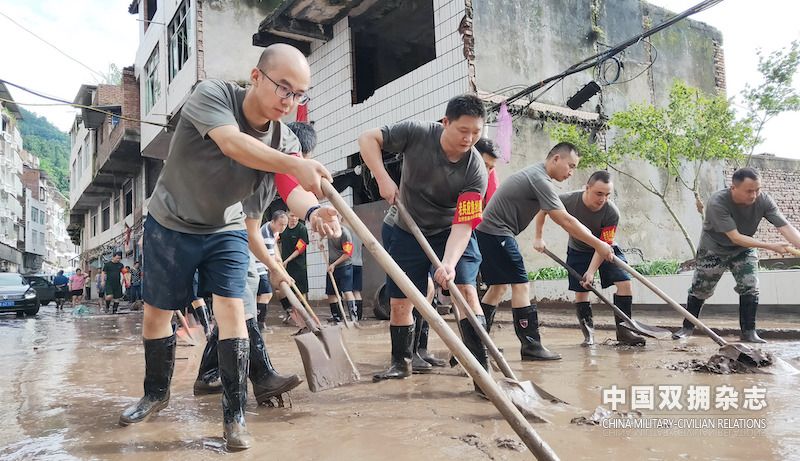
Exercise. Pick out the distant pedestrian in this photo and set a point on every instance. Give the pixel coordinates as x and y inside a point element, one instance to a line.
<point>77,282</point>
<point>61,283</point>
<point>112,280</point>
<point>135,290</point>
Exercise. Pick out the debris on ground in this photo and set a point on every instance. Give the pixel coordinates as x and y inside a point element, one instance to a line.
<point>601,413</point>
<point>685,348</point>
<point>80,309</point>
<point>509,444</point>
<point>717,364</point>
<point>475,441</point>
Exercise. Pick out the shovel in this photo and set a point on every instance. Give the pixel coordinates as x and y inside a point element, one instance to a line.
<point>187,332</point>
<point>325,358</point>
<point>535,392</point>
<point>540,449</point>
<point>633,325</point>
<point>738,352</point>
<point>342,312</point>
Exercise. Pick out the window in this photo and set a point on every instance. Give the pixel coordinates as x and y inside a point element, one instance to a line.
<point>150,7</point>
<point>178,33</point>
<point>388,43</point>
<point>34,214</point>
<point>117,210</point>
<point>93,223</point>
<point>152,170</point>
<point>106,216</point>
<point>128,191</point>
<point>152,89</point>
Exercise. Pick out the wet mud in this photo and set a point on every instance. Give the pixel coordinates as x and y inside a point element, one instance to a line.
<point>68,377</point>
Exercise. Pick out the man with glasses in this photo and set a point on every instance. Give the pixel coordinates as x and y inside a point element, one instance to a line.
<point>228,145</point>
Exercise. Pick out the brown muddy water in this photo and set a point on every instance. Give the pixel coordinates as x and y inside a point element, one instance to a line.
<point>67,378</point>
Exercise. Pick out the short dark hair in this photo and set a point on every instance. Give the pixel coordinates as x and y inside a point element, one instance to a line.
<point>306,134</point>
<point>563,147</point>
<point>744,173</point>
<point>465,104</point>
<point>277,214</point>
<point>62,272</point>
<point>118,253</point>
<point>599,175</point>
<point>487,146</point>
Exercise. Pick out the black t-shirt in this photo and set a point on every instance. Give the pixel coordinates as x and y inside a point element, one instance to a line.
<point>113,271</point>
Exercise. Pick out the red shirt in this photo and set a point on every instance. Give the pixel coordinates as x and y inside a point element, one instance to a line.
<point>491,186</point>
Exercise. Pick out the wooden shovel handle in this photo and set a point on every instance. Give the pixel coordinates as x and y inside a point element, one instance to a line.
<point>301,309</point>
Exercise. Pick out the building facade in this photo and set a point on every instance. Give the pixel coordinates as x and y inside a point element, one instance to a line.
<point>12,218</point>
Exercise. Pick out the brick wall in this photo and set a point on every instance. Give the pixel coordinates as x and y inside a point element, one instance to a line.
<point>30,181</point>
<point>108,95</point>
<point>780,178</point>
<point>130,94</point>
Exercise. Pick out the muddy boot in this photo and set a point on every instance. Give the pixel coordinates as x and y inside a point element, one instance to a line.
<point>624,335</point>
<point>234,355</point>
<point>262,315</point>
<point>584,313</point>
<point>488,312</point>
<point>422,347</point>
<point>748,305</point>
<point>694,306</point>
<point>287,310</point>
<point>159,359</point>
<point>352,309</point>
<point>475,345</point>
<point>359,309</point>
<point>115,307</point>
<point>335,315</point>
<point>267,383</point>
<point>207,381</point>
<point>418,364</point>
<point>108,306</point>
<point>526,326</point>
<point>201,314</point>
<point>402,350</point>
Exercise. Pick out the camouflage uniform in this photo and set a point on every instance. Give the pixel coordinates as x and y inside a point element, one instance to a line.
<point>710,267</point>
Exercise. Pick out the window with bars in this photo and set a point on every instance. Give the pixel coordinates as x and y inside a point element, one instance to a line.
<point>179,45</point>
<point>152,89</point>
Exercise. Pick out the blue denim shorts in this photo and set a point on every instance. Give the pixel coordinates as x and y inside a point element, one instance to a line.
<point>412,260</point>
<point>344,280</point>
<point>502,262</point>
<point>172,257</point>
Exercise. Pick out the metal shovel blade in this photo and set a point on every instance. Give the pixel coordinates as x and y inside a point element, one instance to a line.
<point>647,330</point>
<point>325,359</point>
<point>757,360</point>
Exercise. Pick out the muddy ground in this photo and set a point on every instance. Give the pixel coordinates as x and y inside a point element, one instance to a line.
<point>67,378</point>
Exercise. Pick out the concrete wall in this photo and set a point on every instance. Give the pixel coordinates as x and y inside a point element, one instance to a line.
<point>35,231</point>
<point>421,94</point>
<point>227,30</point>
<point>519,42</point>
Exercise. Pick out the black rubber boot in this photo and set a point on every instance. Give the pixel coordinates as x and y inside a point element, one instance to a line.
<point>267,383</point>
<point>748,306</point>
<point>159,359</point>
<point>526,326</point>
<point>207,381</point>
<point>335,315</point>
<point>108,306</point>
<point>234,355</point>
<point>475,345</point>
<point>418,364</point>
<point>624,335</point>
<point>359,309</point>
<point>402,338</point>
<point>694,306</point>
<point>262,315</point>
<point>114,307</point>
<point>422,345</point>
<point>488,312</point>
<point>287,310</point>
<point>352,309</point>
<point>201,314</point>
<point>584,312</point>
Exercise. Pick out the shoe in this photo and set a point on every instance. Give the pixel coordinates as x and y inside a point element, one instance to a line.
<point>420,346</point>
<point>584,312</point>
<point>207,381</point>
<point>488,312</point>
<point>624,335</point>
<point>748,305</point>
<point>475,345</point>
<point>159,358</point>
<point>526,326</point>
<point>267,383</point>
<point>694,306</point>
<point>400,368</point>
<point>234,355</point>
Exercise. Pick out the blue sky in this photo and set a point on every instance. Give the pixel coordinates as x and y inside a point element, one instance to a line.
<point>100,32</point>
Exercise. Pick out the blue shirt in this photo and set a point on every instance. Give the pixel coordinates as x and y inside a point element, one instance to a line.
<point>60,280</point>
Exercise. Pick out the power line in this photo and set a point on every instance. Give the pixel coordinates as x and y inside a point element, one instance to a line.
<point>597,58</point>
<point>103,77</point>
<point>62,102</point>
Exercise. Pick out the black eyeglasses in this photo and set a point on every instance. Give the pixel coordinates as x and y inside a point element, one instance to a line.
<point>285,92</point>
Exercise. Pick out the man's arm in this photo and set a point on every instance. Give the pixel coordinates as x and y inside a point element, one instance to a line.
<point>324,220</point>
<point>791,234</point>
<point>255,242</point>
<point>577,230</point>
<point>371,144</point>
<point>252,153</point>
<point>456,244</point>
<point>749,242</point>
<point>538,227</point>
<point>344,257</point>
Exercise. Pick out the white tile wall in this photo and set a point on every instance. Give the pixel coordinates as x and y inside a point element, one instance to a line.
<point>422,94</point>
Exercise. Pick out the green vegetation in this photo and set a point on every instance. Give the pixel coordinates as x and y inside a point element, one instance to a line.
<point>647,268</point>
<point>548,273</point>
<point>45,141</point>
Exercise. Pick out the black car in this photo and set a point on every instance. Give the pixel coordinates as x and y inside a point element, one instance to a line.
<point>44,288</point>
<point>16,295</point>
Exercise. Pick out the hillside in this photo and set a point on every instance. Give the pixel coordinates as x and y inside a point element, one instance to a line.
<point>43,139</point>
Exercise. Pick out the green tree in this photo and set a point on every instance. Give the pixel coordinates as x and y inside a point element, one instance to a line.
<point>775,94</point>
<point>678,139</point>
<point>45,141</point>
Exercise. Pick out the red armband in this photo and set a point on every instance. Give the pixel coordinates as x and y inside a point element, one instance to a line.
<point>347,248</point>
<point>300,246</point>
<point>607,234</point>
<point>469,209</point>
<point>285,183</point>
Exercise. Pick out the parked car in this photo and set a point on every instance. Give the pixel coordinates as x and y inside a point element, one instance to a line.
<point>43,286</point>
<point>16,295</point>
